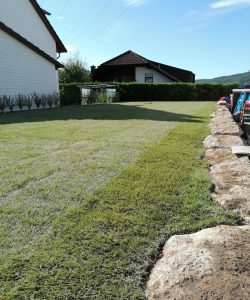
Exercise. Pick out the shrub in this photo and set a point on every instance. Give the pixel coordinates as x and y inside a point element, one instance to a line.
<point>102,97</point>
<point>10,102</point>
<point>3,103</point>
<point>75,70</point>
<point>36,99</point>
<point>44,99</point>
<point>92,97</point>
<point>173,91</point>
<point>50,100</point>
<point>56,98</point>
<point>28,101</point>
<point>21,101</point>
<point>115,98</point>
<point>70,94</point>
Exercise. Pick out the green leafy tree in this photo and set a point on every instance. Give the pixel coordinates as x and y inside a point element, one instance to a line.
<point>75,70</point>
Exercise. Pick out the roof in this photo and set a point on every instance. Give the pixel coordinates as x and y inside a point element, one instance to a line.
<point>132,58</point>
<point>25,42</point>
<point>126,58</point>
<point>42,14</point>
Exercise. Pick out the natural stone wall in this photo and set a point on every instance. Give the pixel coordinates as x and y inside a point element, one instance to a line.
<point>213,263</point>
<point>230,174</point>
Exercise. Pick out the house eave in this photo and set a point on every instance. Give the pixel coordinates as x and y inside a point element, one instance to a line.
<point>59,44</point>
<point>28,44</point>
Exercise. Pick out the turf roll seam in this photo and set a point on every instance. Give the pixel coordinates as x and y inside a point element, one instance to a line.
<point>105,247</point>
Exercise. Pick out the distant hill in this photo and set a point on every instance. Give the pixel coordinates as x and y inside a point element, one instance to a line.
<point>241,78</point>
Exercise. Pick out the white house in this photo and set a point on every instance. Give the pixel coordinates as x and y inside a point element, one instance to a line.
<point>130,66</point>
<point>29,47</point>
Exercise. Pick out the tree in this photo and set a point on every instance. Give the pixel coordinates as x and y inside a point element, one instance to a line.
<point>75,70</point>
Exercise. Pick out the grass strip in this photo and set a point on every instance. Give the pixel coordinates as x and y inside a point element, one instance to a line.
<point>104,248</point>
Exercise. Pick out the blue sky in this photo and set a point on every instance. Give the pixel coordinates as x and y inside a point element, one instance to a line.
<point>208,37</point>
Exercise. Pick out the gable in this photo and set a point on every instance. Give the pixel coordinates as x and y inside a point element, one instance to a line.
<point>29,45</point>
<point>42,14</point>
<point>28,20</point>
<point>131,58</point>
<point>23,70</point>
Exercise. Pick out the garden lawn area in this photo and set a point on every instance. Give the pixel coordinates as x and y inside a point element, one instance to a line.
<point>88,195</point>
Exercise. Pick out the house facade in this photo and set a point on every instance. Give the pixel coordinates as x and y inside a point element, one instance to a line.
<point>29,48</point>
<point>131,67</point>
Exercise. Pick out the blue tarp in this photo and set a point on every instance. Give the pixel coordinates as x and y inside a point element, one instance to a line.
<point>239,104</point>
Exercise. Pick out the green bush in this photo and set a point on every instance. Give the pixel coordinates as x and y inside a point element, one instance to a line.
<point>75,70</point>
<point>70,93</point>
<point>173,91</point>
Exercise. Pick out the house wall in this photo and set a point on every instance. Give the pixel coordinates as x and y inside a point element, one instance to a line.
<point>23,71</point>
<point>158,77</point>
<point>20,16</point>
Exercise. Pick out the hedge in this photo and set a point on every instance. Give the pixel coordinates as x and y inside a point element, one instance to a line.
<point>174,91</point>
<point>70,93</point>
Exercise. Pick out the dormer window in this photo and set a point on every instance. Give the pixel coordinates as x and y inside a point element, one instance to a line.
<point>149,78</point>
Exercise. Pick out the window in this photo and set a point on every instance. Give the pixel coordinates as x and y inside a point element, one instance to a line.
<point>149,78</point>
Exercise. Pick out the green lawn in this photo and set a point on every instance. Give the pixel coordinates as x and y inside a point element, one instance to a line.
<point>89,194</point>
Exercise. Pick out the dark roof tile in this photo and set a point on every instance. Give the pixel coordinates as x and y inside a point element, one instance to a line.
<point>127,58</point>
<point>132,58</point>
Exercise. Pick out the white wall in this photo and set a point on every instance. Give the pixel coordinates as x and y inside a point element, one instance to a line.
<point>20,16</point>
<point>158,77</point>
<point>23,71</point>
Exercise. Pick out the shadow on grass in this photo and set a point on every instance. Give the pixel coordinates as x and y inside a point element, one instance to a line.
<point>96,112</point>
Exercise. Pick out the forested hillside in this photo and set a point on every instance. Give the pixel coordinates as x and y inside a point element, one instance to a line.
<point>241,78</point>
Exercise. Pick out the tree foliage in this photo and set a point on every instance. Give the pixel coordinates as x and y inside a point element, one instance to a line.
<point>240,78</point>
<point>75,70</point>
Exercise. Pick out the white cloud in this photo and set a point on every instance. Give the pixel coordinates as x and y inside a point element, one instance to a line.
<point>135,3</point>
<point>70,48</point>
<point>60,18</point>
<point>229,3</point>
<point>198,19</point>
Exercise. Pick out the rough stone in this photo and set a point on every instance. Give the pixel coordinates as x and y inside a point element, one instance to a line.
<point>215,156</point>
<point>224,126</point>
<point>237,198</point>
<point>221,111</point>
<point>211,264</point>
<point>222,141</point>
<point>231,172</point>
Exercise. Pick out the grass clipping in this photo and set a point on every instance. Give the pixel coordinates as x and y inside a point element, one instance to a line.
<point>104,248</point>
